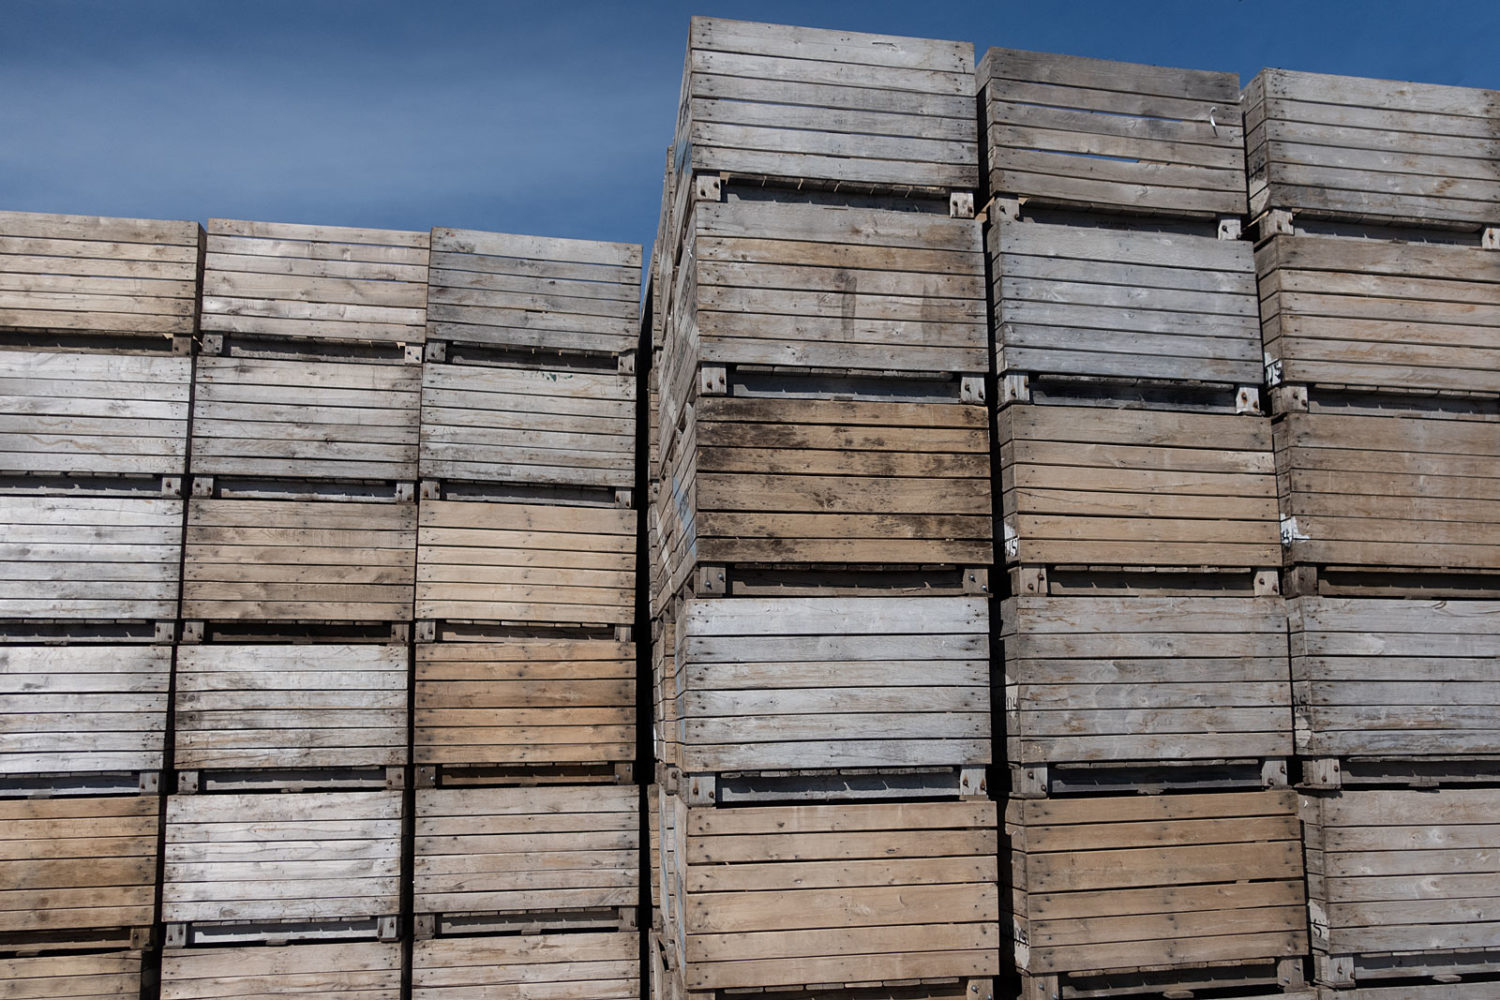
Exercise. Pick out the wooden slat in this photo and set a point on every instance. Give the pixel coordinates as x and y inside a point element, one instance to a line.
<point>353,970</point>
<point>585,966</point>
<point>114,975</point>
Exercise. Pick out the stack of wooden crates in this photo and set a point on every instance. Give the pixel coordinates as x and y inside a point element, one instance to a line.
<point>1379,265</point>
<point>821,522</point>
<point>1153,845</point>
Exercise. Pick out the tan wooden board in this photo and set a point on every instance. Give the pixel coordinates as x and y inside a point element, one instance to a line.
<point>666,684</point>
<point>299,419</point>
<point>805,682</point>
<point>105,558</point>
<point>299,560</point>
<point>111,975</point>
<point>525,701</point>
<point>788,102</point>
<point>93,275</point>
<point>1391,490</point>
<point>352,970</point>
<point>583,966</point>
<point>83,708</point>
<point>1145,679</point>
<point>266,857</point>
<point>1116,487</point>
<point>1384,150</point>
<point>526,849</point>
<point>530,425</point>
<point>315,283</point>
<point>1105,883</point>
<point>322,705</point>
<point>1077,300</point>
<point>1112,135</point>
<point>789,895</point>
<point>75,864</point>
<point>1382,314</point>
<point>479,561</point>
<point>529,292</point>
<point>103,414</point>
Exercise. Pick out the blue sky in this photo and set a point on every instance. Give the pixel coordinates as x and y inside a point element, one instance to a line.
<point>534,117</point>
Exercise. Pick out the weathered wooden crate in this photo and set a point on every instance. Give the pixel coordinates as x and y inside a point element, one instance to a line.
<point>314,284</point>
<point>835,894</point>
<point>827,481</point>
<point>525,703</point>
<point>533,425</point>
<point>110,975</point>
<point>523,854</point>
<point>529,563</point>
<point>273,560</point>
<point>1126,304</point>
<point>83,708</point>
<point>355,970</point>
<point>832,682</point>
<point>1366,489</point>
<point>273,866</point>
<point>532,293</point>
<point>665,685</point>
<point>312,705</point>
<point>89,558</point>
<point>1085,485</point>
<point>1199,889</point>
<point>1380,314</point>
<point>1402,883</point>
<point>1145,679</point>
<point>1116,136</point>
<point>1345,147</point>
<point>97,280</point>
<point>595,966</point>
<point>78,871</point>
<point>806,104</point>
<point>298,419</point>
<point>93,414</point>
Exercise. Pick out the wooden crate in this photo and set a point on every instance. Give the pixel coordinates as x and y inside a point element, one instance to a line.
<point>1146,679</point>
<point>836,894</point>
<point>1402,883</point>
<point>827,481</point>
<point>666,684</point>
<point>111,975</point>
<point>301,419</point>
<point>830,106</point>
<point>1345,147</point>
<point>70,866</point>
<point>533,293</point>
<point>263,858</point>
<point>808,682</point>
<point>519,562</point>
<point>1104,884</point>
<point>83,708</point>
<point>1119,487</point>
<point>315,284</point>
<point>93,414</point>
<point>1398,489</point>
<point>1381,314</point>
<point>1076,300</point>
<point>522,850</point>
<point>99,558</point>
<point>320,705</point>
<point>525,701</point>
<point>533,425</point>
<point>602,966</point>
<point>355,970</point>
<point>1110,135</point>
<point>294,560</point>
<point>87,275</point>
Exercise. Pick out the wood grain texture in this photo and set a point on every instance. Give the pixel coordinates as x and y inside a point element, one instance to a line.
<point>114,975</point>
<point>83,708</point>
<point>1163,880</point>
<point>1145,678</point>
<point>587,966</point>
<point>352,970</point>
<point>521,701</point>
<point>304,856</point>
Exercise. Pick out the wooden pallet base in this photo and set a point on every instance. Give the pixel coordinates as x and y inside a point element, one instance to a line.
<point>66,941</point>
<point>1135,581</point>
<point>54,484</point>
<point>1085,390</point>
<point>62,632</point>
<point>1393,772</point>
<point>874,580</point>
<point>290,779</point>
<point>502,492</point>
<point>34,339</point>
<point>238,345</point>
<point>1039,781</point>
<point>960,204</point>
<point>195,631</point>
<point>491,775</point>
<point>452,630</point>
<point>465,352</point>
<point>825,785</point>
<point>430,925</point>
<point>334,490</point>
<point>59,784</point>
<point>221,932</point>
<point>1283,979</point>
<point>1473,968</point>
<point>898,989</point>
<point>1388,581</point>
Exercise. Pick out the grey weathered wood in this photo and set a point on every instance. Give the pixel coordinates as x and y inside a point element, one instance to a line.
<point>355,970</point>
<point>597,966</point>
<point>112,975</point>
